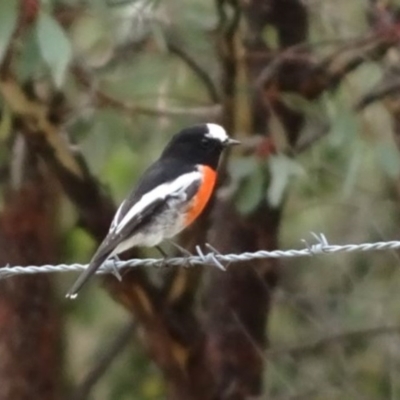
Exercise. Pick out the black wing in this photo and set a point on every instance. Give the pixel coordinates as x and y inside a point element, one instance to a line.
<point>108,245</point>
<point>158,174</point>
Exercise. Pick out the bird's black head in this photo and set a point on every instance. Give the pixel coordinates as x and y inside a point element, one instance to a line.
<point>199,144</point>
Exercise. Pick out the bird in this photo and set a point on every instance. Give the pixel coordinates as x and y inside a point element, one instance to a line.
<point>170,195</point>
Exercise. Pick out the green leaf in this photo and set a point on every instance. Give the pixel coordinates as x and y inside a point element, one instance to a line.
<point>353,171</point>
<point>389,158</point>
<point>270,34</point>
<point>29,61</point>
<point>297,102</point>
<point>92,41</point>
<point>55,47</point>
<point>278,131</point>
<point>242,167</point>
<point>8,21</point>
<point>104,132</point>
<point>343,121</point>
<point>251,192</point>
<point>282,168</point>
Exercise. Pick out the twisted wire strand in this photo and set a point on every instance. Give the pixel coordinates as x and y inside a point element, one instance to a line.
<point>211,258</point>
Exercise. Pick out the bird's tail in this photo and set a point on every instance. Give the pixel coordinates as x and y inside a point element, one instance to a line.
<point>94,265</point>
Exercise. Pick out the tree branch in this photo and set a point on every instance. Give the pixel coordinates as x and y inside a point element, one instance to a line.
<point>103,99</point>
<point>95,206</point>
<point>384,90</point>
<point>104,362</point>
<point>197,69</point>
<point>319,344</point>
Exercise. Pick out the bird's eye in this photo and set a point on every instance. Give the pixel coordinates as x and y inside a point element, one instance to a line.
<point>206,143</point>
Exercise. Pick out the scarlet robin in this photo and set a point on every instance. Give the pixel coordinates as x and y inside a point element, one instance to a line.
<point>170,195</point>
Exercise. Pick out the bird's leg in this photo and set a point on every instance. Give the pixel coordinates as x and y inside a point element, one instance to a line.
<point>184,252</point>
<point>164,255</point>
<point>161,251</point>
<point>115,271</point>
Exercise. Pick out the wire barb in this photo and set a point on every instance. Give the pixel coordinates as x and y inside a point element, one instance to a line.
<point>322,247</point>
<point>209,258</point>
<point>115,271</point>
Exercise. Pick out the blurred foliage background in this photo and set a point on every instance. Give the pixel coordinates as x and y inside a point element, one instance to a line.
<point>123,74</point>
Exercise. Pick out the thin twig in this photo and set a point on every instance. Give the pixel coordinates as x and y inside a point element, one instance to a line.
<point>305,143</point>
<point>104,99</point>
<point>197,69</point>
<point>105,360</point>
<point>319,344</point>
<point>378,94</point>
<point>300,52</point>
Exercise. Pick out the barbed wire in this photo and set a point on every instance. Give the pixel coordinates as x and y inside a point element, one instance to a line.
<point>213,257</point>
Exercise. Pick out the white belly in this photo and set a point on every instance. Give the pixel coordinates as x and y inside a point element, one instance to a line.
<point>166,226</point>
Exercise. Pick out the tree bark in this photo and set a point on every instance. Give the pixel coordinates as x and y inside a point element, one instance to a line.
<point>238,301</point>
<point>30,348</point>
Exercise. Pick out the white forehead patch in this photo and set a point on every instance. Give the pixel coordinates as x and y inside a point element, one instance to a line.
<point>217,132</point>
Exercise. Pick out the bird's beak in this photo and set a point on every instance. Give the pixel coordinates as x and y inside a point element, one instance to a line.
<point>231,142</point>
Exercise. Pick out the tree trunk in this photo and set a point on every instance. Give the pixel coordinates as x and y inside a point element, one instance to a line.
<point>238,301</point>
<point>30,361</point>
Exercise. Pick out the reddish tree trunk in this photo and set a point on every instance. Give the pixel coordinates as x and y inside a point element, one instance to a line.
<point>30,357</point>
<point>239,300</point>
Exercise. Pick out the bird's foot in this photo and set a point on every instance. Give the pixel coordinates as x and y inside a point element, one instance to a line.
<point>162,252</point>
